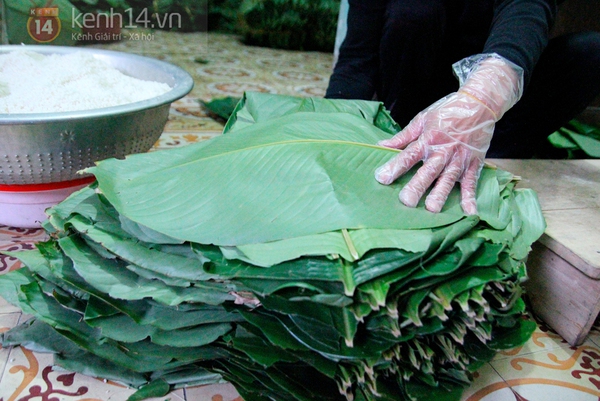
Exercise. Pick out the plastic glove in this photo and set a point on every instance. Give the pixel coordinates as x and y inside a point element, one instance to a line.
<point>452,135</point>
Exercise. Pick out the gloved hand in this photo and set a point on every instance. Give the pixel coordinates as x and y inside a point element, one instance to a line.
<point>452,135</point>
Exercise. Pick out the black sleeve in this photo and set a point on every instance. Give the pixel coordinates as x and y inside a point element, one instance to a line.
<point>520,31</point>
<point>355,75</point>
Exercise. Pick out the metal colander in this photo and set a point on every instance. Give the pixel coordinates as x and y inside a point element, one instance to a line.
<point>53,147</point>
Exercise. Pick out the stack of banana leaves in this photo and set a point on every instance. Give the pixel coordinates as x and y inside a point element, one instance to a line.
<point>270,258</point>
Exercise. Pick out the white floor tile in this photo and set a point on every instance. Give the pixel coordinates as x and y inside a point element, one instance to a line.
<point>215,392</point>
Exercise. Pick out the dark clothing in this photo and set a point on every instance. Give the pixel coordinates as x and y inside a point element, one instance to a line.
<point>563,83</point>
<point>402,51</point>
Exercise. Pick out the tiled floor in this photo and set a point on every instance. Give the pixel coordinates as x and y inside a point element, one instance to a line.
<point>545,369</point>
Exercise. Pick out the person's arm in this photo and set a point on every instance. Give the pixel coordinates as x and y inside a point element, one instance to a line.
<point>520,31</point>
<point>355,74</point>
<point>452,136</point>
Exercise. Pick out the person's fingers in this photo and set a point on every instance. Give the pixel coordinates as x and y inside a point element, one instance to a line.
<point>409,134</point>
<point>468,186</point>
<point>423,178</point>
<point>387,173</point>
<point>445,182</point>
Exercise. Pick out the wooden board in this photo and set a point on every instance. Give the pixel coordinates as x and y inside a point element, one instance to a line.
<point>569,192</point>
<point>564,265</point>
<point>562,296</point>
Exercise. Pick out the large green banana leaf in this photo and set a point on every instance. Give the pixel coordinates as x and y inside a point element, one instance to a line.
<point>296,176</point>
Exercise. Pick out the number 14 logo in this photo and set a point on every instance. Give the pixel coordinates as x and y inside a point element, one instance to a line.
<point>43,24</point>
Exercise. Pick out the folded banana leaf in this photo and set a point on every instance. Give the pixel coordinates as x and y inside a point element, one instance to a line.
<point>271,258</point>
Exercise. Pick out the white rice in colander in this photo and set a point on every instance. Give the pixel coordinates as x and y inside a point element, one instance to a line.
<point>33,83</point>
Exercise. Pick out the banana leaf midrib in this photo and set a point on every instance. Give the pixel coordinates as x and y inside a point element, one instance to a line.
<point>265,145</point>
